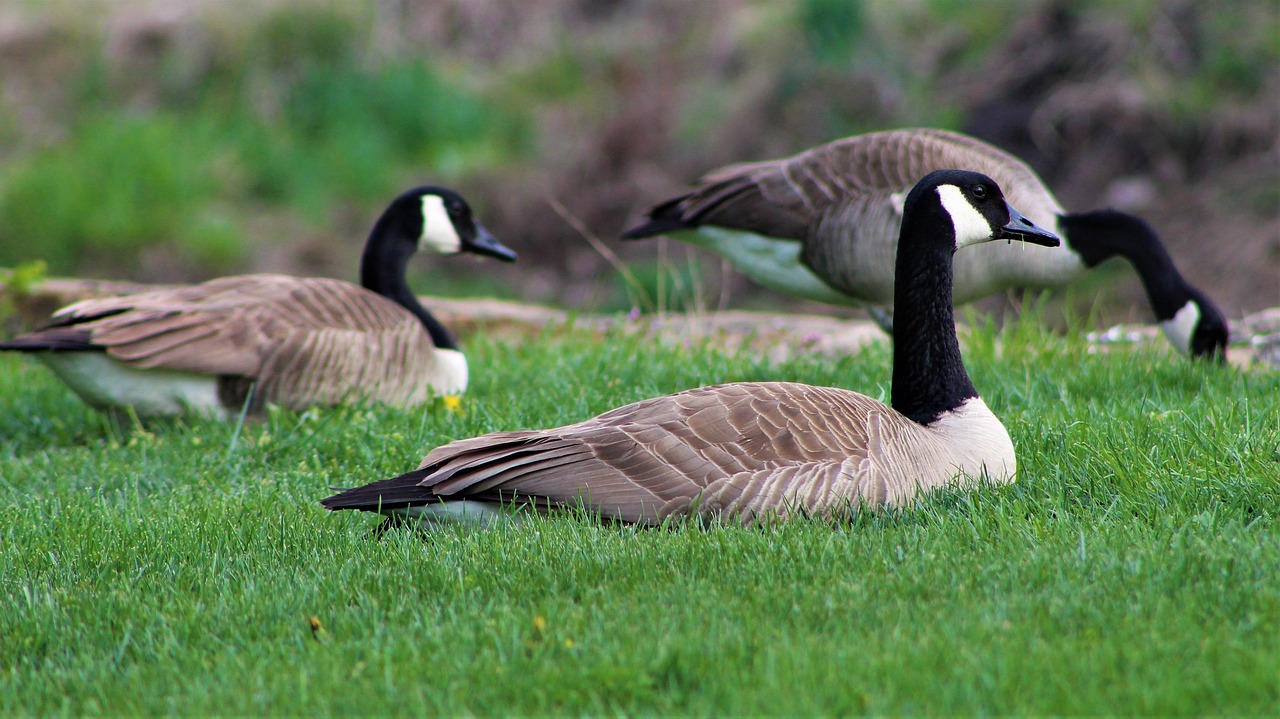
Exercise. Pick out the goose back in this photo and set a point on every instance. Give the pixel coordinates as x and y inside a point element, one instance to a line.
<point>746,450</point>
<point>841,204</point>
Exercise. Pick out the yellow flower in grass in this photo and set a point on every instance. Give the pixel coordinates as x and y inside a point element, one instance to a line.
<point>318,632</point>
<point>453,403</point>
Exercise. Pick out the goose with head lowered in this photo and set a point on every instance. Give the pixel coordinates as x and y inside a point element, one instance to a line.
<point>823,225</point>
<point>248,341</point>
<point>749,451</point>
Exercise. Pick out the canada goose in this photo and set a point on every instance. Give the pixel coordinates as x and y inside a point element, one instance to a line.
<point>822,225</point>
<point>253,340</point>
<point>750,450</point>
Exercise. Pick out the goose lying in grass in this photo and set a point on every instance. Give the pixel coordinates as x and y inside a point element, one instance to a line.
<point>824,225</point>
<point>750,450</point>
<point>252,340</point>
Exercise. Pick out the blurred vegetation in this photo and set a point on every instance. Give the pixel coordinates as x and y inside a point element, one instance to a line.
<point>282,110</point>
<point>18,282</point>
<point>190,140</point>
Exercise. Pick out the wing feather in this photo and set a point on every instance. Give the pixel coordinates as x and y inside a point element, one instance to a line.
<point>304,340</point>
<point>838,201</point>
<point>646,460</point>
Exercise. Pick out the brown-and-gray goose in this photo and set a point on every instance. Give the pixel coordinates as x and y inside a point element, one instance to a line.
<point>751,450</point>
<point>248,341</point>
<point>823,224</point>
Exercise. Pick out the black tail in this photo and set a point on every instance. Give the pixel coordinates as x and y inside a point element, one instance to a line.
<point>395,493</point>
<point>663,219</point>
<point>66,339</point>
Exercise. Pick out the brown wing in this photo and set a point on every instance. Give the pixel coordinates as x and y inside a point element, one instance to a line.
<point>843,200</point>
<point>787,197</point>
<point>305,341</point>
<point>640,462</point>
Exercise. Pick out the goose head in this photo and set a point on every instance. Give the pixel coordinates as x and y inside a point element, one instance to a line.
<point>439,221</point>
<point>1198,328</point>
<point>967,207</point>
<point>425,219</point>
<point>1192,322</point>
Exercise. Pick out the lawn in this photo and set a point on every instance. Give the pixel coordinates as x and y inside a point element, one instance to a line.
<point>186,567</point>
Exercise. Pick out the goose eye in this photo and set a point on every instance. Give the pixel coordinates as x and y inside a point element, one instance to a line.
<point>979,192</point>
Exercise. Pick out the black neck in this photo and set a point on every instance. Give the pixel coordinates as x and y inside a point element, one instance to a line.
<point>1101,235</point>
<point>928,375</point>
<point>382,270</point>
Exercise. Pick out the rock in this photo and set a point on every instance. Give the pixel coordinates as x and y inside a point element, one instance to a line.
<point>1263,322</point>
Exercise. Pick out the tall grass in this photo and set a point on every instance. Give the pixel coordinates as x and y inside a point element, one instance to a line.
<point>1130,570</point>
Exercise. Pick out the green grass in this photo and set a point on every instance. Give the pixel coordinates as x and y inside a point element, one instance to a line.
<point>174,568</point>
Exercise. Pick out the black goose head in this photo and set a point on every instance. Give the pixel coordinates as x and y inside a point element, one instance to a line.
<point>969,208</point>
<point>1198,328</point>
<point>438,220</point>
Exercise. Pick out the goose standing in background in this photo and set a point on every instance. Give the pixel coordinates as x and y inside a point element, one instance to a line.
<point>253,340</point>
<point>823,225</point>
<point>752,450</point>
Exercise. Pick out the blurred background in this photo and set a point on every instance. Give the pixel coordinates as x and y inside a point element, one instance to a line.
<point>178,140</point>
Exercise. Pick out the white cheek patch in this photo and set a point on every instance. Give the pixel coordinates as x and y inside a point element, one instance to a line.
<point>438,232</point>
<point>970,226</point>
<point>1182,325</point>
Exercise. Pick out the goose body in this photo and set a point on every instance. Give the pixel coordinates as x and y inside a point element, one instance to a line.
<point>823,225</point>
<point>752,450</point>
<point>252,340</point>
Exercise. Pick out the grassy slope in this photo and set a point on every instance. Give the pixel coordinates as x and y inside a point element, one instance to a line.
<point>1131,569</point>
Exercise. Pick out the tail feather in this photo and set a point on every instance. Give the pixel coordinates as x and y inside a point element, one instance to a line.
<point>732,200</point>
<point>64,334</point>
<point>411,489</point>
<point>665,218</point>
<point>479,465</point>
<point>395,493</point>
<point>66,339</point>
